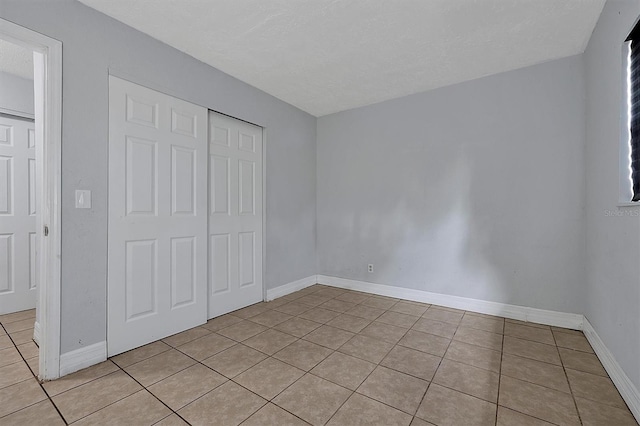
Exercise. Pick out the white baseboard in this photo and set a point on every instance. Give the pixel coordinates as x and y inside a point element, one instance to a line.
<point>36,333</point>
<point>625,386</point>
<point>84,357</point>
<point>285,289</point>
<point>523,313</point>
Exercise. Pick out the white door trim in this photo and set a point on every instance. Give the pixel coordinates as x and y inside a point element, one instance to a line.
<point>49,124</point>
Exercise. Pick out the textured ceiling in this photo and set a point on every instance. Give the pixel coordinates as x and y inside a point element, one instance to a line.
<point>16,60</point>
<point>325,56</point>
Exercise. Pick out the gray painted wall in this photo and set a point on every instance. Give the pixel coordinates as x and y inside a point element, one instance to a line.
<point>16,94</point>
<point>612,296</point>
<point>93,44</point>
<point>473,190</point>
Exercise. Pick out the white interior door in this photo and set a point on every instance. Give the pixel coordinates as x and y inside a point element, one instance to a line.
<point>18,238</point>
<point>235,214</point>
<point>157,244</point>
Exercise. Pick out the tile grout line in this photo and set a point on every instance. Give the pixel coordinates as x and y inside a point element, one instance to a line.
<point>573,397</point>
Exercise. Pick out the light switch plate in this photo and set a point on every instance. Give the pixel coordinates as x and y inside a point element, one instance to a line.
<point>83,199</point>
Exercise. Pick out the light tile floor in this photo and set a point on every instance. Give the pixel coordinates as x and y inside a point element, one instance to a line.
<point>324,356</point>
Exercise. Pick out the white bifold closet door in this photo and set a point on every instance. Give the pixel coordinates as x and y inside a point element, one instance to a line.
<point>157,244</point>
<point>235,214</point>
<point>18,237</point>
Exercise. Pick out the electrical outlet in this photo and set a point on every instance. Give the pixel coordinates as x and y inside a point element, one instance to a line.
<point>370,267</point>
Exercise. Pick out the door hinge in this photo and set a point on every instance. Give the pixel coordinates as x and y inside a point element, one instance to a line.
<point>46,231</point>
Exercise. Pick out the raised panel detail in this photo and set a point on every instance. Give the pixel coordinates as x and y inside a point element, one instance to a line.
<point>220,136</point>
<point>33,245</point>
<point>183,181</point>
<point>32,187</point>
<point>141,176</point>
<point>183,124</point>
<point>246,252</point>
<point>6,185</point>
<point>247,143</point>
<point>141,278</point>
<point>219,251</point>
<point>31,138</point>
<point>219,187</point>
<point>183,271</point>
<point>247,186</point>
<point>6,263</point>
<point>6,135</point>
<point>142,112</point>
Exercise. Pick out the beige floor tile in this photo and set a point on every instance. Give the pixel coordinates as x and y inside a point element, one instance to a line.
<point>5,341</point>
<point>250,311</point>
<point>467,379</point>
<point>9,356</point>
<point>573,341</point>
<point>14,373</point>
<point>293,308</point>
<point>40,414</point>
<point>566,330</point>
<point>20,395</point>
<point>596,414</point>
<point>271,414</point>
<point>413,362</point>
<point>367,348</point>
<point>172,420</point>
<point>437,314</point>
<point>447,407</point>
<point>353,297</point>
<point>242,330</point>
<point>379,302</point>
<point>319,315</point>
<point>141,408</point>
<point>29,350</point>
<point>393,388</point>
<point>349,323</point>
<point>17,316</point>
<point>24,336</point>
<point>269,377</point>
<point>25,324</point>
<point>595,388</point>
<point>540,335</point>
<point>88,398</point>
<point>270,341</point>
<point>438,328</point>
<point>417,421</point>
<point>206,346</point>
<point>270,318</point>
<point>303,354</point>
<point>540,373</point>
<point>338,305</point>
<point>398,319</point>
<point>429,343</point>
<point>234,360</point>
<point>367,312</point>
<point>474,355</point>
<point>228,404</point>
<point>78,378</point>
<point>329,337</point>
<point>532,350</point>
<point>186,336</point>
<point>141,353</point>
<point>297,327</point>
<point>221,322</point>
<point>313,399</point>
<point>581,361</point>
<point>484,323</point>
<point>538,401</point>
<point>527,323</point>
<point>386,332</point>
<point>362,411</point>
<point>34,365</point>
<point>159,367</point>
<point>507,417</point>
<point>481,338</point>
<point>344,370</point>
<point>312,300</point>
<point>330,292</point>
<point>186,386</point>
<point>410,308</point>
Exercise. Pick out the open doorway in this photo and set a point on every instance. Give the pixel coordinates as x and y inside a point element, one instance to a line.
<point>30,184</point>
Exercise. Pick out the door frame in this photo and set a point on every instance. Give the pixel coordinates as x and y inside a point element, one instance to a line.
<point>48,112</point>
